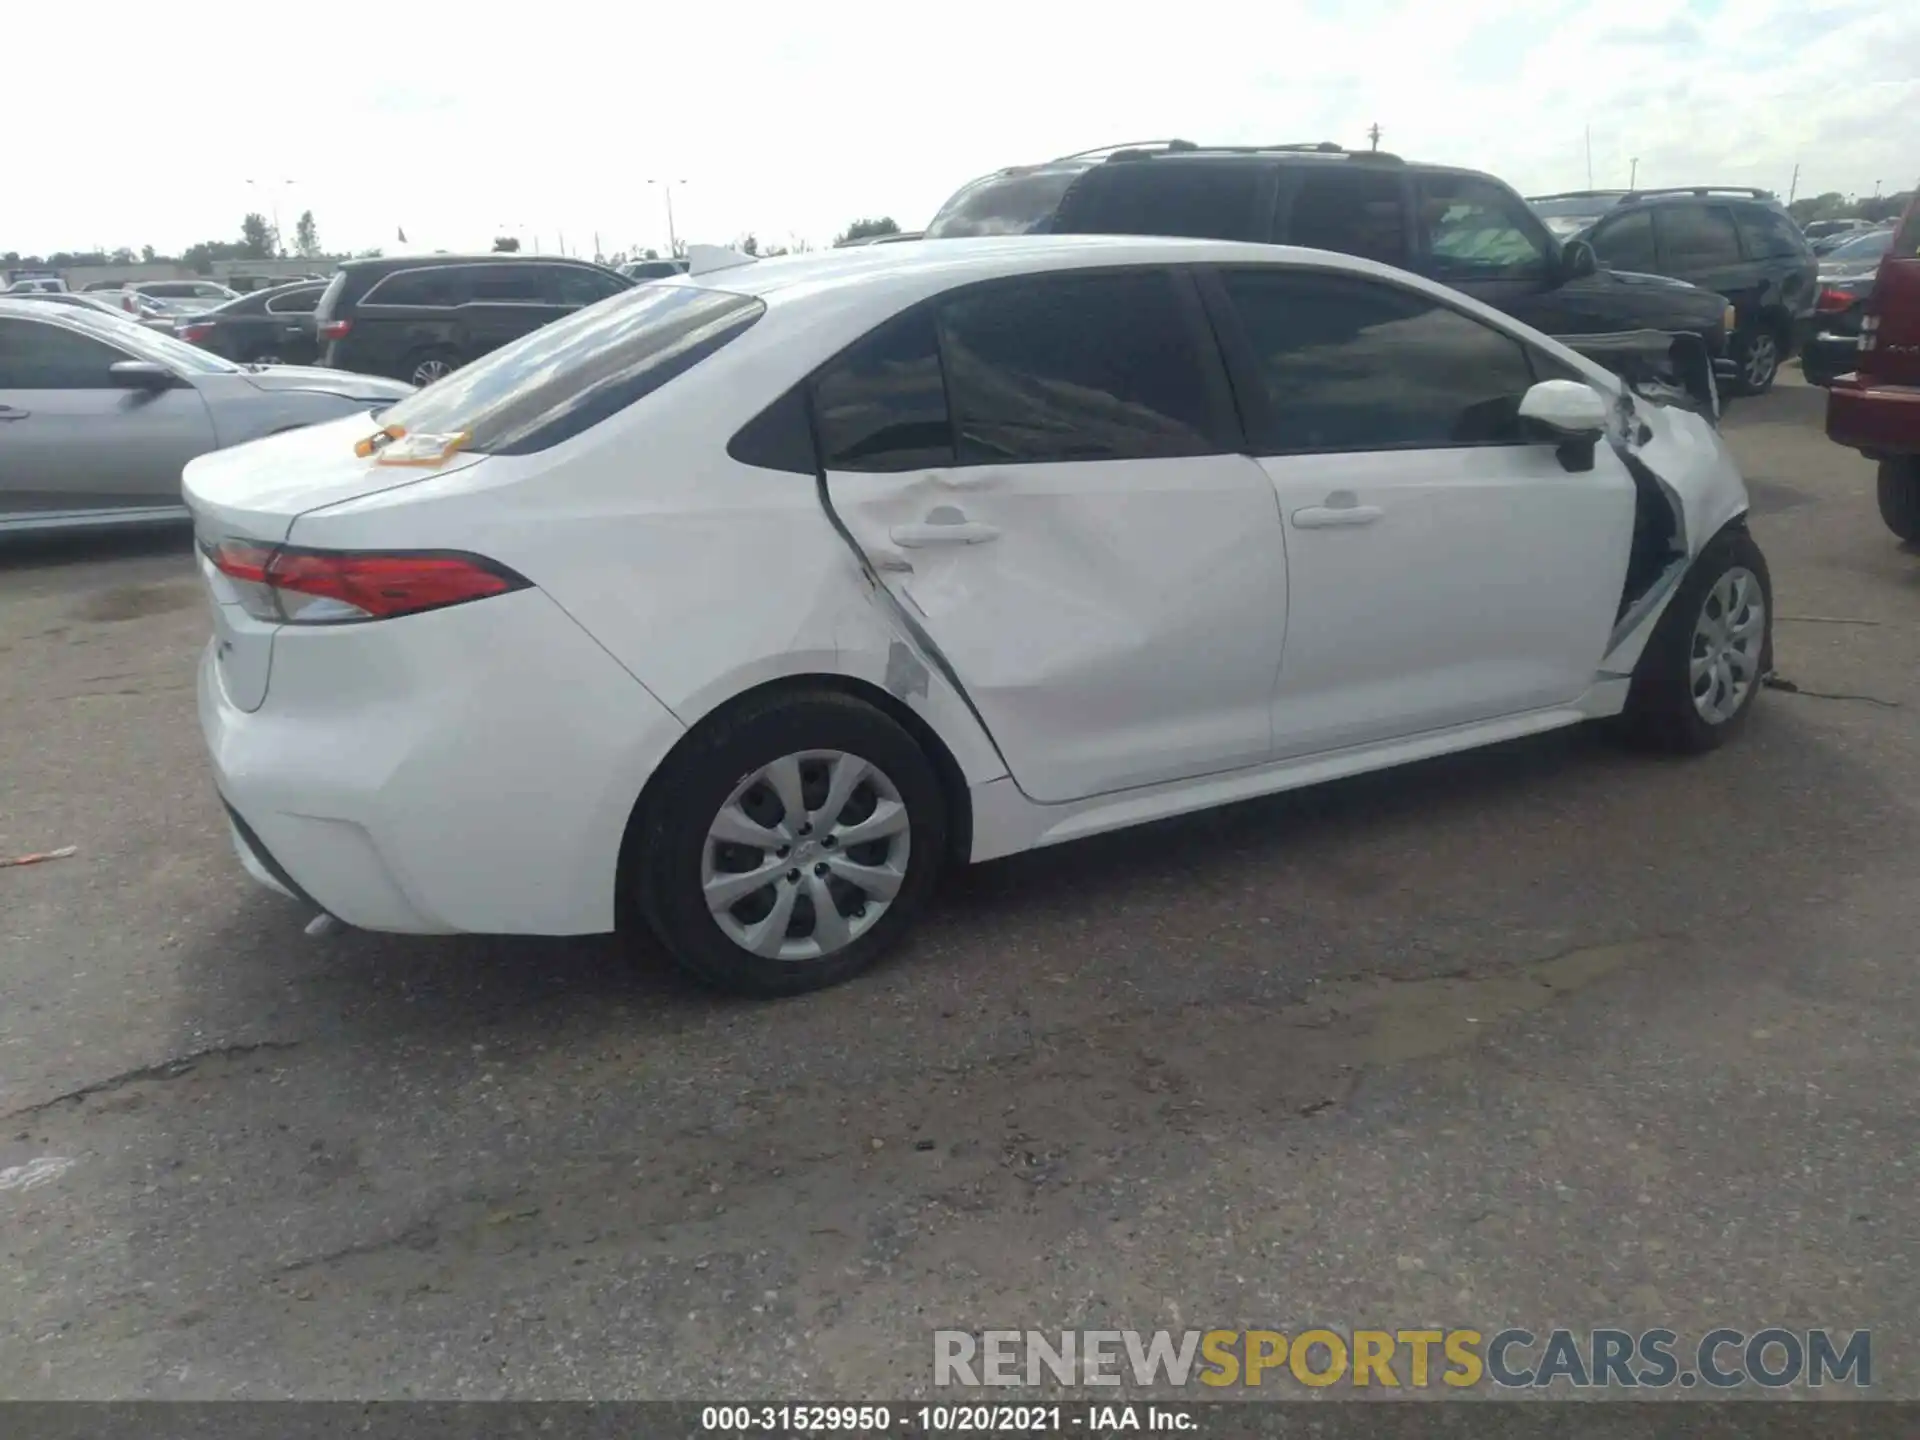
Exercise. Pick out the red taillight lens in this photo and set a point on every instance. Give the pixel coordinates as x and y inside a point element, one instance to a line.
<point>193,333</point>
<point>335,329</point>
<point>331,587</point>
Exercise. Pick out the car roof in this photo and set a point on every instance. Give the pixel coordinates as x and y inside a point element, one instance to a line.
<point>429,262</point>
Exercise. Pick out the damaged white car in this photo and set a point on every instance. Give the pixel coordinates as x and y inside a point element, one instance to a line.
<point>737,606</point>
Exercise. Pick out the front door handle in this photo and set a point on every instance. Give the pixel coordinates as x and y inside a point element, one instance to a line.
<point>1343,507</point>
<point>944,525</point>
<point>7,412</point>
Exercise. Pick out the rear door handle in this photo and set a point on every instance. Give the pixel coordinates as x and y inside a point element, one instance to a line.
<point>7,412</point>
<point>1325,517</point>
<point>944,526</point>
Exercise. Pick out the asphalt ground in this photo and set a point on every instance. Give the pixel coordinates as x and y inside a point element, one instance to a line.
<point>1551,1034</point>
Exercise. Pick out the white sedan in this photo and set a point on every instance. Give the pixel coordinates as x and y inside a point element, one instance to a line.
<point>736,606</point>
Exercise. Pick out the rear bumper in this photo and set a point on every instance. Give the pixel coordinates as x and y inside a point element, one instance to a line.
<point>1877,420</point>
<point>1824,356</point>
<point>467,770</point>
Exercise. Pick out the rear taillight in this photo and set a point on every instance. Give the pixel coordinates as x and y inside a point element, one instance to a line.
<point>334,329</point>
<point>291,585</point>
<point>194,333</point>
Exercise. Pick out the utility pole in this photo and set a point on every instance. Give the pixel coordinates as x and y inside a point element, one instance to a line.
<point>1633,175</point>
<point>1373,134</point>
<point>1589,157</point>
<point>273,196</point>
<point>666,189</point>
<point>1876,189</point>
<point>1793,185</point>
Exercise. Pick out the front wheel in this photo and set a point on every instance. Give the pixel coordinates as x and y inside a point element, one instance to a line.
<point>1758,354</point>
<point>1900,497</point>
<point>1703,665</point>
<point>789,844</point>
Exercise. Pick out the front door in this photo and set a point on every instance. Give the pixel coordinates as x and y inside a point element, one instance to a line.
<point>1043,473</point>
<point>1480,238</point>
<point>1440,570</point>
<point>71,440</point>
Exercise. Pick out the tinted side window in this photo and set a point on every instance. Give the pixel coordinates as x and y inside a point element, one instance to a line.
<point>300,302</point>
<point>445,285</point>
<point>1352,209</point>
<point>1151,197</point>
<point>46,357</point>
<point>1768,235</point>
<point>1074,367</point>
<point>1474,229</point>
<point>1626,243</point>
<point>510,284</point>
<point>1356,365</point>
<point>574,286</point>
<point>1696,236</point>
<point>1003,205</point>
<point>881,405</point>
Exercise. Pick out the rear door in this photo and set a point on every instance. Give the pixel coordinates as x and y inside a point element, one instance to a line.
<point>505,301</point>
<point>1441,570</point>
<point>71,440</point>
<point>1067,519</point>
<point>1697,242</point>
<point>1352,207</point>
<point>289,331</point>
<point>1890,350</point>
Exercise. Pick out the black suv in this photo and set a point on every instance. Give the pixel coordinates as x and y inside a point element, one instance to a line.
<point>1460,227</point>
<point>420,318</point>
<point>1733,239</point>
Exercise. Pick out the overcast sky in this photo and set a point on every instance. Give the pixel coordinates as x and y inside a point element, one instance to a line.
<point>456,123</point>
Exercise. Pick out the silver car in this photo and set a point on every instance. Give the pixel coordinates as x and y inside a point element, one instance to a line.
<point>98,414</point>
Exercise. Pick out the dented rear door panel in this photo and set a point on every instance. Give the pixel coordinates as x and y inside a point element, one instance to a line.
<point>1114,623</point>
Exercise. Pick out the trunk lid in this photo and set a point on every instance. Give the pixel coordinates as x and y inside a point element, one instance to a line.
<point>256,491</point>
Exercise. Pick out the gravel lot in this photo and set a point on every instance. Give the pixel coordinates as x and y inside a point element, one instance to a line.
<point>1550,1034</point>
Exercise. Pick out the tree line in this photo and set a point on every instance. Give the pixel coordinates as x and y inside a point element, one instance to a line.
<point>259,240</point>
<point>1835,206</point>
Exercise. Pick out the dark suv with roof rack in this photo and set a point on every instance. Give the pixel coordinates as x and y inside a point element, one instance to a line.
<point>1461,227</point>
<point>423,317</point>
<point>1734,239</point>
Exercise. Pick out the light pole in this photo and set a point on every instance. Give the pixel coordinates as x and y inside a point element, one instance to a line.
<point>666,189</point>
<point>1633,175</point>
<point>273,204</point>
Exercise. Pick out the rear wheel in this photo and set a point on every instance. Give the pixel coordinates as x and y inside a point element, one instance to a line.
<point>789,845</point>
<point>1900,497</point>
<point>423,367</point>
<point>1757,352</point>
<point>1697,679</point>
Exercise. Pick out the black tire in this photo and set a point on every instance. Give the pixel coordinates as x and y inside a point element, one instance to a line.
<point>1758,352</point>
<point>662,879</point>
<point>429,355</point>
<point>1660,712</point>
<point>1900,497</point>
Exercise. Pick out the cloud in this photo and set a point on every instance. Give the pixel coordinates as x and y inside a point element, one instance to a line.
<point>793,120</point>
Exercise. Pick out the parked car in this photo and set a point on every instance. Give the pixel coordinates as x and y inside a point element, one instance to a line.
<point>420,319</point>
<point>97,303</point>
<point>736,607</point>
<point>653,269</point>
<point>1823,235</point>
<point>98,414</point>
<point>201,294</point>
<point>1735,240</point>
<point>37,285</point>
<point>1846,279</point>
<point>1876,409</point>
<point>266,327</point>
<point>1461,227</point>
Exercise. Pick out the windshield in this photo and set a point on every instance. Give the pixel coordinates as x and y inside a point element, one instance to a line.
<point>1862,247</point>
<point>1567,218</point>
<point>1003,204</point>
<point>150,344</point>
<point>565,377</point>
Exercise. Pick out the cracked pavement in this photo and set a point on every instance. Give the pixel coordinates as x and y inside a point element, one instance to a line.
<point>1548,1034</point>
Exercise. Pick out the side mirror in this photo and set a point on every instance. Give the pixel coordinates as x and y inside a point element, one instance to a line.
<point>1573,415</point>
<point>140,375</point>
<point>1577,260</point>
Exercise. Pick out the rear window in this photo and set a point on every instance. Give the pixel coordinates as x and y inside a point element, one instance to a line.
<point>1002,204</point>
<point>1906,241</point>
<point>1194,198</point>
<point>566,377</point>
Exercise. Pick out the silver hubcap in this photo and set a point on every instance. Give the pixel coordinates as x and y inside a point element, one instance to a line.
<point>806,855</point>
<point>1727,638</point>
<point>1763,358</point>
<point>428,371</point>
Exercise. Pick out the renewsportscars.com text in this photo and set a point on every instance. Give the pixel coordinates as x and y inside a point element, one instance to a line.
<point>1771,1357</point>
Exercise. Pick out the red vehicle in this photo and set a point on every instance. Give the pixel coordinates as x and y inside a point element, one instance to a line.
<point>1876,409</point>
